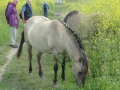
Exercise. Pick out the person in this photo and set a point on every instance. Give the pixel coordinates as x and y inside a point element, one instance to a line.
<point>26,11</point>
<point>58,1</point>
<point>45,8</point>
<point>12,20</point>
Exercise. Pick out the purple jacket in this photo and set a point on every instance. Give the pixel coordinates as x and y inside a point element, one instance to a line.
<point>11,15</point>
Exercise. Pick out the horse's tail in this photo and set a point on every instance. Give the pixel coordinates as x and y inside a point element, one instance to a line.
<point>21,45</point>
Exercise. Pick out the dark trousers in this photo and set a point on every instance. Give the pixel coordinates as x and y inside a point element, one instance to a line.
<point>45,13</point>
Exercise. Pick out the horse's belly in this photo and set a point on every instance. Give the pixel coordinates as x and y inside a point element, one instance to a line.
<point>41,47</point>
<point>45,48</point>
<point>45,42</point>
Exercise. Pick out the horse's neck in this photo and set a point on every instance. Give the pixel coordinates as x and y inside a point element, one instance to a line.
<point>70,42</point>
<point>72,47</point>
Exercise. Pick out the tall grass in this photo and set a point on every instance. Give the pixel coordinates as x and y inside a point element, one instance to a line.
<point>104,49</point>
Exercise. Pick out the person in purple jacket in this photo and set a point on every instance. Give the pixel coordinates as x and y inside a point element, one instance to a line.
<point>12,20</point>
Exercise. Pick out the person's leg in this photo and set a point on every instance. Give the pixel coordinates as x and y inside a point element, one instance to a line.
<point>57,1</point>
<point>44,12</point>
<point>13,35</point>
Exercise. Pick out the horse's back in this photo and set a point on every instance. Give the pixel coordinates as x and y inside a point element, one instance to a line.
<point>44,34</point>
<point>73,19</point>
<point>83,25</point>
<point>34,20</point>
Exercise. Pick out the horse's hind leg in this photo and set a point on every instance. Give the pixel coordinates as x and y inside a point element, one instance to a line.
<point>30,58</point>
<point>63,67</point>
<point>39,55</point>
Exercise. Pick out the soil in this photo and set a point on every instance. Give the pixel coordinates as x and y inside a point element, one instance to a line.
<point>9,57</point>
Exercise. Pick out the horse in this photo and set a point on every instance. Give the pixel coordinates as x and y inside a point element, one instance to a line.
<point>84,25</point>
<point>54,37</point>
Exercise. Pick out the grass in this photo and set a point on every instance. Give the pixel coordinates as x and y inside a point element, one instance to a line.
<point>17,77</point>
<point>103,54</point>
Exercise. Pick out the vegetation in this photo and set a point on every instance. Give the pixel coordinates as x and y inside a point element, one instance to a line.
<point>103,50</point>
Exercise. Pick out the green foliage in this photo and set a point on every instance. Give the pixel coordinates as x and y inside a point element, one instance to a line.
<point>103,50</point>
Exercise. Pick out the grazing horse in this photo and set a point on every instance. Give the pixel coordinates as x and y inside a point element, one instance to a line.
<point>54,37</point>
<point>84,25</point>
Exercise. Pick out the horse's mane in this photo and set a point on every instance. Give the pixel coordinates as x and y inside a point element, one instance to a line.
<point>84,61</point>
<point>75,35</point>
<point>69,15</point>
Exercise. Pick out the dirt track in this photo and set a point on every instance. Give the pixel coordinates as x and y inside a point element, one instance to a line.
<point>9,56</point>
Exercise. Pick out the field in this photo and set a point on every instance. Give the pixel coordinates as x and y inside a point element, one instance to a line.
<point>103,50</point>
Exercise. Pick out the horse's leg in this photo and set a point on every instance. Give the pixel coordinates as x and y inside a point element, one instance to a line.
<point>55,69</point>
<point>63,67</point>
<point>39,55</point>
<point>30,58</point>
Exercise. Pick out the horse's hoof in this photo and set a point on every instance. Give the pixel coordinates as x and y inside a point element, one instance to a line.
<point>56,85</point>
<point>42,77</point>
<point>30,71</point>
<point>63,81</point>
<point>31,74</point>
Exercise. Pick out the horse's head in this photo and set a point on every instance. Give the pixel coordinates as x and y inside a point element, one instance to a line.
<point>80,69</point>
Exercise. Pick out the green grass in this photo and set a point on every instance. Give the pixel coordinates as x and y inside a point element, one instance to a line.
<point>102,51</point>
<point>17,77</point>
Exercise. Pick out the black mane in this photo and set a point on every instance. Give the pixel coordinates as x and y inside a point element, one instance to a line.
<point>75,35</point>
<point>84,60</point>
<point>69,15</point>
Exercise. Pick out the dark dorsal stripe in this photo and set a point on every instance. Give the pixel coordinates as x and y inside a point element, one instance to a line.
<point>75,35</point>
<point>69,15</point>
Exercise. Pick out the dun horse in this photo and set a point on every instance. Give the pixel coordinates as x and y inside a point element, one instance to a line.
<point>83,25</point>
<point>54,37</point>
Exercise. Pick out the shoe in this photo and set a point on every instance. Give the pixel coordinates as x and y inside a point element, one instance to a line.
<point>14,46</point>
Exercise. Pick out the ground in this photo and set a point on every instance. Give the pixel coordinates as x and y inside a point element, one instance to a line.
<point>11,53</point>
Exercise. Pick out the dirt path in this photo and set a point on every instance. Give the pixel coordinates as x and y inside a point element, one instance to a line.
<point>9,58</point>
<point>60,14</point>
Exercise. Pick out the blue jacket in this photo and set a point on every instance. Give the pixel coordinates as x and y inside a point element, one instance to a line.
<point>47,6</point>
<point>28,11</point>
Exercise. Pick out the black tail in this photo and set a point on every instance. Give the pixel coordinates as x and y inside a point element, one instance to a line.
<point>21,45</point>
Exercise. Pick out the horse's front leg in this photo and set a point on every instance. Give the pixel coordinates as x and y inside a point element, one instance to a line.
<point>55,69</point>
<point>63,67</point>
<point>30,58</point>
<point>39,55</point>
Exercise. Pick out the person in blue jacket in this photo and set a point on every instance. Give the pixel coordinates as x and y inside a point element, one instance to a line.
<point>45,8</point>
<point>26,11</point>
